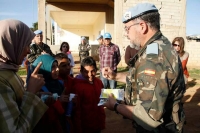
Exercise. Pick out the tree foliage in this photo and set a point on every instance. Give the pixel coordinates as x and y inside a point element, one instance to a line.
<point>34,26</point>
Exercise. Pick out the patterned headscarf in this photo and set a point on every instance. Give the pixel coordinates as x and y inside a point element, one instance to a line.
<point>14,37</point>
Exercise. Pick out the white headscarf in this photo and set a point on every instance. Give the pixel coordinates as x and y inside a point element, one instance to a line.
<point>14,37</point>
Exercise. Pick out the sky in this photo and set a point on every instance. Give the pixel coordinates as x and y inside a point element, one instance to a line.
<point>26,11</point>
<point>23,10</point>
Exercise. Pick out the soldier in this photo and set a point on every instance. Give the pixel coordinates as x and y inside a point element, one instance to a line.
<point>100,40</point>
<point>37,48</point>
<point>155,84</point>
<point>83,48</point>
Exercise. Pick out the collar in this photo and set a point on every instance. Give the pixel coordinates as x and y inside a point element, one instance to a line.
<point>111,44</point>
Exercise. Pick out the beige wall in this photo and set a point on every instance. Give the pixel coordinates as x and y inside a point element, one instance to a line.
<point>193,48</point>
<point>99,25</point>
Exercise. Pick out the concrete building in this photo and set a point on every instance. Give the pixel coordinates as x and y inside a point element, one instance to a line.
<point>68,20</point>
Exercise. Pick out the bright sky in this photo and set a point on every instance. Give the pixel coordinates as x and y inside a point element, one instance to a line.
<point>26,11</point>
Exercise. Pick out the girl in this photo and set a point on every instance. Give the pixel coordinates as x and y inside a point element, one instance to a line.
<point>178,44</point>
<point>64,48</point>
<point>53,120</point>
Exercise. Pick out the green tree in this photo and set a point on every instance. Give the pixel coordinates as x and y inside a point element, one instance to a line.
<point>34,26</point>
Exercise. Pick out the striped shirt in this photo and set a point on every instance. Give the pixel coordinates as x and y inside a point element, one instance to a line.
<point>109,56</point>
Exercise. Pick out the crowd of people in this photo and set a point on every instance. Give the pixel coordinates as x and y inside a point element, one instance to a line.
<point>155,82</point>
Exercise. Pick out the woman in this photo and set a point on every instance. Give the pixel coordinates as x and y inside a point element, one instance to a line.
<point>178,44</point>
<point>20,109</point>
<point>64,48</point>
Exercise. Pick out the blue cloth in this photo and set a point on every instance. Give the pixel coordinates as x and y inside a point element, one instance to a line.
<point>138,10</point>
<point>99,37</point>
<point>106,82</point>
<point>38,32</point>
<point>83,38</point>
<point>47,62</point>
<point>107,35</point>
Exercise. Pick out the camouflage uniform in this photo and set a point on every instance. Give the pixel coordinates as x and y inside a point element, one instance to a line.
<point>36,51</point>
<point>83,51</point>
<point>155,87</point>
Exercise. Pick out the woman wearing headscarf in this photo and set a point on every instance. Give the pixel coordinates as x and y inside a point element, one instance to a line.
<point>20,109</point>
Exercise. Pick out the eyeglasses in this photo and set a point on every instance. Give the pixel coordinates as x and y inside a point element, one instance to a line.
<point>128,28</point>
<point>175,45</point>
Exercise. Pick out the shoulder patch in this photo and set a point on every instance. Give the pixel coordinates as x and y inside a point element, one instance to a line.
<point>152,48</point>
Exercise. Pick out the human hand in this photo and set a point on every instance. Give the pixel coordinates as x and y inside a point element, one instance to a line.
<point>110,103</point>
<point>36,80</point>
<point>49,101</point>
<point>43,52</point>
<point>108,73</point>
<point>64,98</point>
<point>75,99</point>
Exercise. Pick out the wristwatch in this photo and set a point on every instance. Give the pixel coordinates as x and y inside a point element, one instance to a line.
<point>115,107</point>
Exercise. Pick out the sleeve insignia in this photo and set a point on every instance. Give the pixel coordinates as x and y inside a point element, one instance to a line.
<point>152,48</point>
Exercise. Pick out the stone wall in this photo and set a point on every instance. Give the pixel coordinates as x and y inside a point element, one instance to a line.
<point>193,48</point>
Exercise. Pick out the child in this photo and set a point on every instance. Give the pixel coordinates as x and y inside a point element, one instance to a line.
<point>52,121</point>
<point>64,75</point>
<point>64,72</point>
<point>89,117</point>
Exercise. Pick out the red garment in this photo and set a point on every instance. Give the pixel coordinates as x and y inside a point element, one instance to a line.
<point>51,120</point>
<point>68,84</point>
<point>88,116</point>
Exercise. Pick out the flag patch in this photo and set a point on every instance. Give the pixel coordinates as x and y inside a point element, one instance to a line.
<point>149,72</point>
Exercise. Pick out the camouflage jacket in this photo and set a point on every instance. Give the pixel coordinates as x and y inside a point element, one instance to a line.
<point>155,84</point>
<point>84,49</point>
<point>37,50</point>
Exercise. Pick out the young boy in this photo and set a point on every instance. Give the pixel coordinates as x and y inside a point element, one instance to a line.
<point>89,117</point>
<point>64,75</point>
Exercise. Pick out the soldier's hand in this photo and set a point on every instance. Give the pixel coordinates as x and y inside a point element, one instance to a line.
<point>108,73</point>
<point>36,80</point>
<point>44,52</point>
<point>111,102</point>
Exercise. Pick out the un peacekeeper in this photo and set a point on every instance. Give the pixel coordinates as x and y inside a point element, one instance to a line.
<point>83,48</point>
<point>100,40</point>
<point>155,84</point>
<point>38,47</point>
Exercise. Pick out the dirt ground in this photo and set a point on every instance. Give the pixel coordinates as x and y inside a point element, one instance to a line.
<point>116,124</point>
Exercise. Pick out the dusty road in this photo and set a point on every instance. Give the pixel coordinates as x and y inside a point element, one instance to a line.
<point>116,124</point>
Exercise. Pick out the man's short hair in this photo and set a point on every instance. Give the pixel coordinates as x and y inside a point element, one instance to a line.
<point>153,19</point>
<point>61,56</point>
<point>88,61</point>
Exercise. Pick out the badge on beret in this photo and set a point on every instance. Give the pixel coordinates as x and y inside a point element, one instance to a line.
<point>127,15</point>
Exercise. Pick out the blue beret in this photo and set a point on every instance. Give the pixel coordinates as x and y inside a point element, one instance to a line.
<point>138,10</point>
<point>38,32</point>
<point>99,37</point>
<point>83,38</point>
